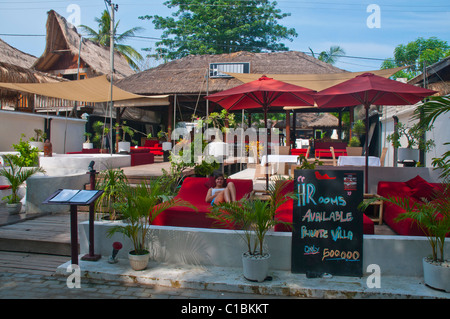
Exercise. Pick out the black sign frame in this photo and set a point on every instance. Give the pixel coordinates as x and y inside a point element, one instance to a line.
<point>327,234</point>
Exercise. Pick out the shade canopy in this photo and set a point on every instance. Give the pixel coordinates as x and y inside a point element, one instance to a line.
<point>263,93</point>
<point>92,90</point>
<point>316,81</point>
<point>369,89</point>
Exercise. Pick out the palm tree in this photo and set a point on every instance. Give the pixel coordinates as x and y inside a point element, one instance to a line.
<point>331,55</point>
<point>102,37</point>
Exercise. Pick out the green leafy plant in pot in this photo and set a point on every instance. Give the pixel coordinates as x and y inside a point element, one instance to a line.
<point>432,215</point>
<point>414,137</point>
<point>354,147</point>
<point>254,218</point>
<point>16,176</point>
<point>143,204</point>
<point>113,182</point>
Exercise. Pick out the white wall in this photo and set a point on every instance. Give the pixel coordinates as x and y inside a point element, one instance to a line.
<point>13,124</point>
<point>396,255</point>
<point>440,133</point>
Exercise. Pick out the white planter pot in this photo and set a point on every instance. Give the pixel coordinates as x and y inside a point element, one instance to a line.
<point>88,146</point>
<point>38,145</point>
<point>256,268</point>
<point>408,154</point>
<point>436,276</point>
<point>138,262</point>
<point>14,209</point>
<point>124,147</point>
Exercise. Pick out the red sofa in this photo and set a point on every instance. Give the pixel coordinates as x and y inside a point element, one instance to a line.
<point>86,151</point>
<point>141,156</point>
<point>194,190</point>
<point>285,211</point>
<point>416,189</point>
<point>322,149</point>
<point>299,151</point>
<point>154,146</point>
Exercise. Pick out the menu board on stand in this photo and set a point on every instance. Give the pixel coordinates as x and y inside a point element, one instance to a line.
<point>327,232</point>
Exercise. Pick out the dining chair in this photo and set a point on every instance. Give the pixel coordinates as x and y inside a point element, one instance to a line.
<point>333,155</point>
<point>383,156</point>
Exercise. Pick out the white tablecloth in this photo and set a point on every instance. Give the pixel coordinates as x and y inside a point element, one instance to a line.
<point>358,161</point>
<point>279,159</point>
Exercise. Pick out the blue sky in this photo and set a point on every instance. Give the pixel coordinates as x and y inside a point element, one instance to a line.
<point>319,24</point>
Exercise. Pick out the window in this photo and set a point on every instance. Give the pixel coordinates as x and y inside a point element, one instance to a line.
<point>216,69</point>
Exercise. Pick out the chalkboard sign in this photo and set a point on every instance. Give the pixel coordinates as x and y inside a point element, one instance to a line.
<point>327,232</point>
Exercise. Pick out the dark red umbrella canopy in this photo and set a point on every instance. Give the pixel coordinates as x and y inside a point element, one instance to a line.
<point>263,93</point>
<point>369,89</point>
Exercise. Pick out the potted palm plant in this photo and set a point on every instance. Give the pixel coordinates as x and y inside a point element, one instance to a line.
<point>143,203</point>
<point>255,218</point>
<point>113,182</point>
<point>433,218</point>
<point>124,146</point>
<point>354,147</point>
<point>38,139</point>
<point>16,176</point>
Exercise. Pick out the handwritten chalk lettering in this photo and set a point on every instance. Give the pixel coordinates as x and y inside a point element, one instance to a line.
<point>336,216</point>
<point>340,233</point>
<point>336,254</point>
<point>338,200</point>
<point>306,192</point>
<point>311,250</point>
<point>313,233</point>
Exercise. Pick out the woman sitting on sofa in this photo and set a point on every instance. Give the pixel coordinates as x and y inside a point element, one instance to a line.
<point>222,192</point>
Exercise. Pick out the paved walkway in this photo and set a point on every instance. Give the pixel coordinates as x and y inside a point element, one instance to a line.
<point>33,286</point>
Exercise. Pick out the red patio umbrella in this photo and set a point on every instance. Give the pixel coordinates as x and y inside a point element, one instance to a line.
<point>369,89</point>
<point>263,93</point>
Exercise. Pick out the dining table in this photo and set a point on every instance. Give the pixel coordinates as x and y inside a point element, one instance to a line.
<point>273,158</point>
<point>358,161</point>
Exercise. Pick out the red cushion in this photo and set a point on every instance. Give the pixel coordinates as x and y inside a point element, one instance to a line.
<point>151,143</point>
<point>210,182</point>
<point>134,150</point>
<point>415,182</point>
<point>425,190</point>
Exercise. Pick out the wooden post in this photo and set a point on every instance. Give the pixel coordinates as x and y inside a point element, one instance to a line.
<point>288,128</point>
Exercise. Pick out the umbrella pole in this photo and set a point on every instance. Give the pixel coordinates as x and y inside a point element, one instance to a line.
<point>366,142</point>
<point>266,164</point>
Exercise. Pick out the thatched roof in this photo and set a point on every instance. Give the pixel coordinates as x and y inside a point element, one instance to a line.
<point>13,56</point>
<point>61,35</point>
<point>311,120</point>
<point>16,74</point>
<point>187,75</point>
